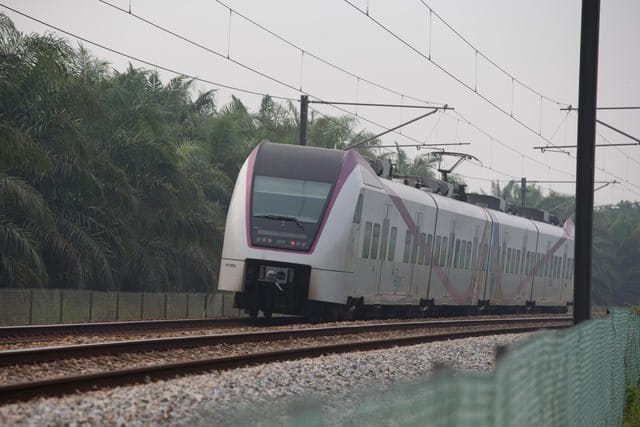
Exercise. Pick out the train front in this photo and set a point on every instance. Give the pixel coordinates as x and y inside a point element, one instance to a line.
<point>277,214</point>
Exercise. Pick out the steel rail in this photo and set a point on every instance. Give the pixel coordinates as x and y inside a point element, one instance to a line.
<point>26,333</point>
<point>74,384</point>
<point>111,348</point>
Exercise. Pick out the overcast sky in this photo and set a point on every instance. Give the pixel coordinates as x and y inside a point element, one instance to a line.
<point>535,42</point>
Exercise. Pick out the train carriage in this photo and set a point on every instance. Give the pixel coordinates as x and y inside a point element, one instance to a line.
<point>316,231</point>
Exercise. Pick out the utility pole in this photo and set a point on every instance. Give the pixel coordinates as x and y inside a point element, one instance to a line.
<point>304,113</point>
<point>588,86</point>
<point>523,191</point>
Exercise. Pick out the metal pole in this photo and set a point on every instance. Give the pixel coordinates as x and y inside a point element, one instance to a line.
<point>586,158</point>
<point>523,191</point>
<point>391,130</point>
<point>304,113</point>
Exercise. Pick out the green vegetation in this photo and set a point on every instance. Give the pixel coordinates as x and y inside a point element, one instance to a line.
<point>117,181</point>
<point>632,407</point>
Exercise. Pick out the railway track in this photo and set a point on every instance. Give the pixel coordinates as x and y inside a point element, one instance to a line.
<point>43,333</point>
<point>348,338</point>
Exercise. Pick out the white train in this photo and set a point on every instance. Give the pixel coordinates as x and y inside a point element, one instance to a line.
<point>317,232</point>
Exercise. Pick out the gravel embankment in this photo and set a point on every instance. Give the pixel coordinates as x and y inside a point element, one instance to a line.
<point>30,372</point>
<point>218,397</point>
<point>105,337</point>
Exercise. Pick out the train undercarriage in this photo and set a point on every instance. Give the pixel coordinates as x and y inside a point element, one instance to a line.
<point>276,287</point>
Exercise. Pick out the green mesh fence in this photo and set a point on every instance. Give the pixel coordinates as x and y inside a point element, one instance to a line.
<point>575,377</point>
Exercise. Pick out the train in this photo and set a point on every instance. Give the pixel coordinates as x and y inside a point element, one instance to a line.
<point>324,233</point>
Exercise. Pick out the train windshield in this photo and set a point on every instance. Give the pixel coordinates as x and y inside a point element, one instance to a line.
<point>289,199</point>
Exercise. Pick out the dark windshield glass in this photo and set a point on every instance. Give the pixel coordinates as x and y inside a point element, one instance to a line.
<point>302,200</point>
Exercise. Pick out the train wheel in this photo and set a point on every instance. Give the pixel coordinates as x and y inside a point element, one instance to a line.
<point>253,313</point>
<point>330,312</point>
<point>313,313</point>
<point>345,312</point>
<point>267,314</point>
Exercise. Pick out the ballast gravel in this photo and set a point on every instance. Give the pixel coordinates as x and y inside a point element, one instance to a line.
<point>218,398</point>
<point>76,339</point>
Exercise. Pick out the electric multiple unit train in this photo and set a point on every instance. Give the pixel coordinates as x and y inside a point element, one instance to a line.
<point>316,232</point>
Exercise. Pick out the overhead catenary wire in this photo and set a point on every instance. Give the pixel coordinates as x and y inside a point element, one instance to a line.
<point>134,58</point>
<point>260,73</point>
<point>489,60</point>
<point>290,86</point>
<point>144,61</point>
<point>507,146</point>
<point>168,69</point>
<point>620,180</point>
<point>320,59</point>
<point>469,87</point>
<point>621,152</point>
<point>447,72</point>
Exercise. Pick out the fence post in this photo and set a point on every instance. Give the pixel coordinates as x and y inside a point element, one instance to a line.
<point>206,305</point>
<point>166,298</point>
<point>61,304</point>
<point>117,305</point>
<point>90,306</point>
<point>31,306</point>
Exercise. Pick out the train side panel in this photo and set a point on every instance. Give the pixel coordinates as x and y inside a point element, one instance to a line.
<point>455,277</point>
<point>555,246</point>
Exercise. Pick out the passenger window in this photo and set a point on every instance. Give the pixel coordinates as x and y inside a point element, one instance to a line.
<point>385,239</point>
<point>467,259</point>
<point>518,269</point>
<point>392,243</point>
<point>450,251</point>
<point>414,247</point>
<point>357,215</point>
<point>456,257</point>
<point>484,252</point>
<point>429,252</point>
<point>407,247</point>
<point>539,267</point>
<point>436,253</point>
<point>422,243</point>
<point>367,240</point>
<point>508,263</point>
<point>572,267</point>
<point>546,266</point>
<point>443,252</point>
<point>376,241</point>
<point>474,259</point>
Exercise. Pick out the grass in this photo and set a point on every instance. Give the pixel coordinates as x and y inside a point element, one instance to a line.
<point>632,407</point>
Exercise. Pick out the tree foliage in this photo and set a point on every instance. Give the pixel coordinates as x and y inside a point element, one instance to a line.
<point>115,180</point>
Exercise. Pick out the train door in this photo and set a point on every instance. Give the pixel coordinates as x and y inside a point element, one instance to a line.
<point>395,272</point>
<point>481,258</point>
<point>366,260</point>
<point>419,267</point>
<point>387,254</point>
<point>439,261</point>
<point>494,265</point>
